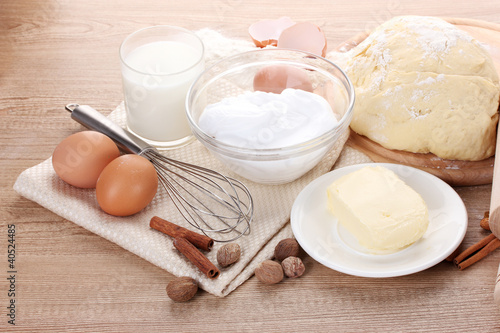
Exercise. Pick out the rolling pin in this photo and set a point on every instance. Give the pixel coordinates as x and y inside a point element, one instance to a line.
<point>495,210</point>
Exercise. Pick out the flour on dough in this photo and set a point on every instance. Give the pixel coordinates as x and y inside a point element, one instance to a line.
<point>422,85</point>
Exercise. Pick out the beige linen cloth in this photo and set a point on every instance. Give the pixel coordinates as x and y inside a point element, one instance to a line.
<point>272,203</point>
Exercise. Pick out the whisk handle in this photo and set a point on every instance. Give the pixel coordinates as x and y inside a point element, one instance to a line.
<point>92,119</point>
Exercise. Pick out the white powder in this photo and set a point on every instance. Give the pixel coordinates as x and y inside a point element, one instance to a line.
<point>417,113</point>
<point>434,37</point>
<point>221,46</point>
<point>385,58</point>
<point>377,81</point>
<point>380,137</point>
<point>381,122</point>
<point>417,94</point>
<point>387,103</point>
<point>429,80</point>
<point>261,120</point>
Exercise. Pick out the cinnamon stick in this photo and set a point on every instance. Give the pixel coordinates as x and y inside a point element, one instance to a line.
<point>473,248</point>
<point>196,257</point>
<point>490,247</point>
<point>476,252</point>
<point>173,230</point>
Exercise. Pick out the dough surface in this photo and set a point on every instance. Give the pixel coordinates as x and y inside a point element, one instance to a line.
<point>422,85</point>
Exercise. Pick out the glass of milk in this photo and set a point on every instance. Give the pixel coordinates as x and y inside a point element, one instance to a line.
<point>158,65</point>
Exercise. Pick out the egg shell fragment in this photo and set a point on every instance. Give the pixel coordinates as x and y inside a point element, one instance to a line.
<point>126,185</point>
<point>276,78</point>
<point>267,32</point>
<point>304,36</point>
<point>80,158</point>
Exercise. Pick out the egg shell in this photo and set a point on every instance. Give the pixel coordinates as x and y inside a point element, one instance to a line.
<point>80,158</point>
<point>304,36</point>
<point>276,78</point>
<point>126,185</point>
<point>267,32</point>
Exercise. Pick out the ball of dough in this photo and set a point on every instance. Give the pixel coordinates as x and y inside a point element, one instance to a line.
<point>423,85</point>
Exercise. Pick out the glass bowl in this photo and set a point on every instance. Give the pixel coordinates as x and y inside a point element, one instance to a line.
<point>234,76</point>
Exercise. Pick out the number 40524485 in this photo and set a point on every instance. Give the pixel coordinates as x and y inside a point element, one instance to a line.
<point>11,246</point>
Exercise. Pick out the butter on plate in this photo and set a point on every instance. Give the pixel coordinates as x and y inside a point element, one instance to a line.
<point>378,208</point>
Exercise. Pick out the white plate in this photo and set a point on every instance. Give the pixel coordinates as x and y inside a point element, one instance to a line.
<point>325,240</point>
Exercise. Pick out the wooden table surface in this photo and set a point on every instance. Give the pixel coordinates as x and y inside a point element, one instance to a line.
<point>54,52</point>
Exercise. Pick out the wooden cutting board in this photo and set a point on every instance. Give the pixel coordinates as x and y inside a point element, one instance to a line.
<point>454,172</point>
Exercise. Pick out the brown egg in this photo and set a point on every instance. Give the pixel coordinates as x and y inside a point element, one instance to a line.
<point>80,158</point>
<point>276,78</point>
<point>126,185</point>
<point>305,37</point>
<point>266,32</point>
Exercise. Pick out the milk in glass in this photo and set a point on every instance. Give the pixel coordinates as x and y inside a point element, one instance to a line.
<point>156,78</point>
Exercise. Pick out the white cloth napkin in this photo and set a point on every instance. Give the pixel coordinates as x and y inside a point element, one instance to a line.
<point>272,203</point>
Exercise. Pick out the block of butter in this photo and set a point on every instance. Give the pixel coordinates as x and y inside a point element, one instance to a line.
<point>378,208</point>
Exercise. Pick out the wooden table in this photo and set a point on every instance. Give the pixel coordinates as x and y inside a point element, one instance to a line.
<point>56,52</point>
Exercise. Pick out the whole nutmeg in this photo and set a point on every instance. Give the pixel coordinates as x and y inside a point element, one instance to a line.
<point>182,289</point>
<point>293,267</point>
<point>269,272</point>
<point>485,222</point>
<point>287,247</point>
<point>228,254</point>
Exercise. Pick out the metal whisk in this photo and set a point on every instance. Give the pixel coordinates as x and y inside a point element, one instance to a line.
<point>211,202</point>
